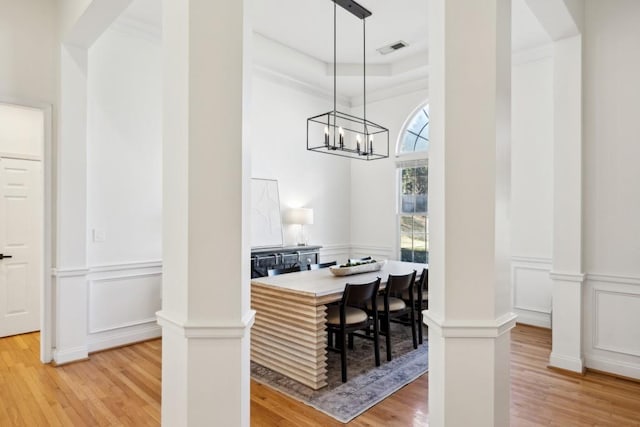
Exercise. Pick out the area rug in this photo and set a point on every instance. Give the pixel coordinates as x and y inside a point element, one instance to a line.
<point>366,385</point>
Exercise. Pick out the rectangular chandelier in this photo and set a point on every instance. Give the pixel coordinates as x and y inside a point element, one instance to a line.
<point>343,134</point>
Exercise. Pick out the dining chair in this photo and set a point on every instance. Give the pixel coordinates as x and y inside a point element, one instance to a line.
<point>322,265</point>
<point>420,301</point>
<point>278,271</point>
<point>394,307</point>
<point>352,315</point>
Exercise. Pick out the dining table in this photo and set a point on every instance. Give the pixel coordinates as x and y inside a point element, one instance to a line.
<point>289,334</point>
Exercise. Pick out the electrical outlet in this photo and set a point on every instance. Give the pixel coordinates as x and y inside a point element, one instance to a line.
<point>99,236</point>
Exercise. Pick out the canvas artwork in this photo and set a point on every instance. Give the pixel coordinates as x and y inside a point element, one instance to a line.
<point>266,222</point>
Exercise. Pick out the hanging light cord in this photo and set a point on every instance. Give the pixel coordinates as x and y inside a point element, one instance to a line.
<point>334,71</point>
<point>364,76</point>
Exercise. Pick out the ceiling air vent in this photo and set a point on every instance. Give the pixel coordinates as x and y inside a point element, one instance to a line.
<point>392,47</point>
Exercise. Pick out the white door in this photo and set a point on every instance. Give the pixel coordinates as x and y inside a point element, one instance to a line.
<point>20,237</point>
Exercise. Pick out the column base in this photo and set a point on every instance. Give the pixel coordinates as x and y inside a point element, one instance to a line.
<point>469,371</point>
<point>205,372</point>
<point>567,363</point>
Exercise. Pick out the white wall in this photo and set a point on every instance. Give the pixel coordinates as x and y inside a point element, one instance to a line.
<point>124,151</point>
<point>21,130</point>
<point>28,50</point>
<point>532,184</point>
<point>124,188</point>
<point>280,109</point>
<point>374,221</point>
<point>611,176</point>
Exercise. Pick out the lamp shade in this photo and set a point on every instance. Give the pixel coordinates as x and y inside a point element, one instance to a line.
<point>303,216</point>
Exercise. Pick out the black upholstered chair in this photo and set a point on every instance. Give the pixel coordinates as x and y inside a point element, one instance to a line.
<point>278,271</point>
<point>420,300</point>
<point>352,315</point>
<point>322,265</point>
<point>393,307</point>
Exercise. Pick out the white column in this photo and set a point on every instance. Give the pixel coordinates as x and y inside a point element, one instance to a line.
<point>567,275</point>
<point>205,309</point>
<point>469,314</point>
<point>71,198</point>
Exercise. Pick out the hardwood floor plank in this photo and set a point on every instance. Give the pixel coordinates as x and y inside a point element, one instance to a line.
<point>122,387</point>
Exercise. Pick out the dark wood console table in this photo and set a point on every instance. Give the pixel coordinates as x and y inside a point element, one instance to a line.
<point>263,259</point>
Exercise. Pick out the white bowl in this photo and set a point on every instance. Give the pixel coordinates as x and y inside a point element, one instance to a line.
<point>356,269</point>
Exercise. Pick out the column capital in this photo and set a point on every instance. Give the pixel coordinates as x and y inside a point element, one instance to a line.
<point>470,328</point>
<point>209,330</point>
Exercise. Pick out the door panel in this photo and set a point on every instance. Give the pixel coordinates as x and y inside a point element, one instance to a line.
<point>20,237</point>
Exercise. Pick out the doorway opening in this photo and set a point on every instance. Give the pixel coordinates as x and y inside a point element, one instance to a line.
<point>25,133</point>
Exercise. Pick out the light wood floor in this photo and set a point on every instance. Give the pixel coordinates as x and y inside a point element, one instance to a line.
<point>122,387</point>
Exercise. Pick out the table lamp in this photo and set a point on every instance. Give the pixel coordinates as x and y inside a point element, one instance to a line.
<point>301,216</point>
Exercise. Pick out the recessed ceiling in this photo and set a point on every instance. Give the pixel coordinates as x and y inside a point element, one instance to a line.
<point>307,26</point>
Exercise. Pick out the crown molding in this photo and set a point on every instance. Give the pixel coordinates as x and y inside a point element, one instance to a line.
<point>138,28</point>
<point>279,78</point>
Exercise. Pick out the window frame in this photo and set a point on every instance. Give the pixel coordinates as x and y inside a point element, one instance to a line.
<point>404,160</point>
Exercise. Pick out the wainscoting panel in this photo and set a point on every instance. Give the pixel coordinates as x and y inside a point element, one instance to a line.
<point>335,252</point>
<point>531,290</point>
<point>123,300</point>
<point>377,252</point>
<point>612,319</point>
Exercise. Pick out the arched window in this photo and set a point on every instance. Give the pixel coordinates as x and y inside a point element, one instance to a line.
<point>412,162</point>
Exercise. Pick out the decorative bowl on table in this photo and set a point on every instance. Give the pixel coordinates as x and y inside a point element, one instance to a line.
<point>356,267</point>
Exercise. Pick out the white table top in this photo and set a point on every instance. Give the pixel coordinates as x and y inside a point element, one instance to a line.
<point>322,282</point>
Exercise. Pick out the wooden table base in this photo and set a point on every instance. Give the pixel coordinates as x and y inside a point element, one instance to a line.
<point>289,335</point>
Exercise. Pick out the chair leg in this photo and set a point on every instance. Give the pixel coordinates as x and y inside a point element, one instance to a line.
<point>414,332</point>
<point>376,341</point>
<point>350,341</point>
<point>387,323</point>
<point>330,338</point>
<point>420,319</point>
<point>343,356</point>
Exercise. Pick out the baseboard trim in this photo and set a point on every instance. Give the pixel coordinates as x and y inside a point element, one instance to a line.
<point>567,363</point>
<point>75,354</point>
<point>124,336</point>
<point>613,367</point>
<point>533,318</point>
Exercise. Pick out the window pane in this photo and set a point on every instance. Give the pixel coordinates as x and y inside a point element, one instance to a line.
<point>406,224</point>
<point>419,121</point>
<point>420,233</point>
<point>408,203</point>
<point>416,134</point>
<point>421,180</point>
<point>420,145</point>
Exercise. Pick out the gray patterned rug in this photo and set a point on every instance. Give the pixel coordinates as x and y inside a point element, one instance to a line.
<point>366,385</point>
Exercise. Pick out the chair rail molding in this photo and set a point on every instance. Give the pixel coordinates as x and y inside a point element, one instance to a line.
<point>69,272</point>
<point>358,250</point>
<point>610,278</point>
<point>101,268</point>
<point>335,252</point>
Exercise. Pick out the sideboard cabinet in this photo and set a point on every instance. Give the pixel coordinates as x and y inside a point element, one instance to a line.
<point>263,259</point>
